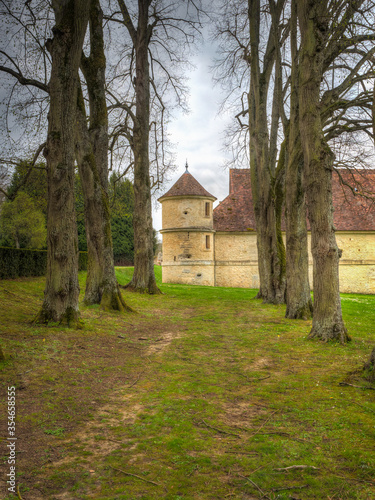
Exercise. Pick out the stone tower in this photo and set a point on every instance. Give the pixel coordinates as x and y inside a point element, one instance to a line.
<point>188,234</point>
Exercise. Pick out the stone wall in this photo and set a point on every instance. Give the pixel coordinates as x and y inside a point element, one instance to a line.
<point>192,273</point>
<point>187,246</point>
<point>357,264</point>
<point>186,212</point>
<point>236,261</point>
<point>187,260</point>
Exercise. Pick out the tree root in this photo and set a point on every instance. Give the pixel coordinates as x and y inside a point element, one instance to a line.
<point>150,290</point>
<point>338,333</point>
<point>304,312</point>
<point>71,318</point>
<point>112,300</point>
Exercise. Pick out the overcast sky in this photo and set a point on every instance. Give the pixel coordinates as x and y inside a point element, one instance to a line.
<point>199,135</point>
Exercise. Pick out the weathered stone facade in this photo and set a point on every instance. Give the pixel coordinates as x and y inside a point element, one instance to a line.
<point>202,246</point>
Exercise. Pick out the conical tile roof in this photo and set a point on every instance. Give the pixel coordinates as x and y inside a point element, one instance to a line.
<point>187,185</point>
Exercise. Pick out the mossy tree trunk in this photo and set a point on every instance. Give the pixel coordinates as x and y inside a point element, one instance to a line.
<point>318,163</point>
<point>298,298</point>
<point>369,367</point>
<point>62,289</point>
<point>143,279</point>
<point>265,179</point>
<point>92,158</point>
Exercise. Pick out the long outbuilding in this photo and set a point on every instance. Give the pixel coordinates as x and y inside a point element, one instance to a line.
<point>217,247</point>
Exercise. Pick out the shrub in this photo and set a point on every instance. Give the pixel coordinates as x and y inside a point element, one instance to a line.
<point>22,262</point>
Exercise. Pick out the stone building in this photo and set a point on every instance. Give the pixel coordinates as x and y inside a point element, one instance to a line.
<point>217,247</point>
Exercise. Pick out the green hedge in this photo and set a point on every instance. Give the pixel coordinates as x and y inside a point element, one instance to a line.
<point>22,262</point>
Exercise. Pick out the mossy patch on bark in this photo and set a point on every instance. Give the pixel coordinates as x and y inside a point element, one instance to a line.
<point>112,300</point>
<point>368,371</point>
<point>69,318</point>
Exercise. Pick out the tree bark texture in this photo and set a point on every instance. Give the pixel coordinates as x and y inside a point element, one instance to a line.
<point>298,298</point>
<point>92,158</point>
<point>369,368</point>
<point>318,162</point>
<point>144,277</point>
<point>264,179</point>
<point>62,289</point>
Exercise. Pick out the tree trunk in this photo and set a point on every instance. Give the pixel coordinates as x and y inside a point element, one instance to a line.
<point>92,158</point>
<point>318,162</point>
<point>143,278</point>
<point>62,289</point>
<point>298,298</point>
<point>369,368</point>
<point>264,183</point>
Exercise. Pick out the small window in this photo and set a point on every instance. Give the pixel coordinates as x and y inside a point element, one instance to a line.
<point>207,209</point>
<point>208,243</point>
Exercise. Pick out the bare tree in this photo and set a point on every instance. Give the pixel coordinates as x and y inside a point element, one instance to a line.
<point>91,149</point>
<point>92,158</point>
<point>62,289</point>
<point>318,162</point>
<point>157,34</point>
<point>252,33</point>
<point>344,105</point>
<point>298,297</point>
<point>25,71</point>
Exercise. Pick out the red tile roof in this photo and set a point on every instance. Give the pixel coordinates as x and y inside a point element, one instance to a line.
<point>187,185</point>
<point>236,212</point>
<point>353,212</point>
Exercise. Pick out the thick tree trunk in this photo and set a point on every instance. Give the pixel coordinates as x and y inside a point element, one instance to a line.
<point>264,181</point>
<point>62,289</point>
<point>92,158</point>
<point>318,161</point>
<point>143,278</point>
<point>298,298</point>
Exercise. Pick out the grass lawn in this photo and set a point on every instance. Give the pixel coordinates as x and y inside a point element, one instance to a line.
<point>204,393</point>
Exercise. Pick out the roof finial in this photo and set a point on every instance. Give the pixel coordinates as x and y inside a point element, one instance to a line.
<point>187,167</point>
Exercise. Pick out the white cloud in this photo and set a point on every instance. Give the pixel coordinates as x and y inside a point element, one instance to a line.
<point>199,135</point>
